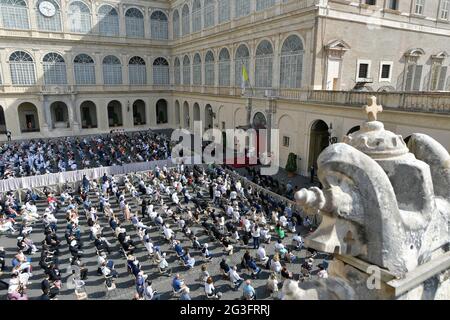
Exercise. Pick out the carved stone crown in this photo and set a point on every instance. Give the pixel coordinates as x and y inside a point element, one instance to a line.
<point>373,140</point>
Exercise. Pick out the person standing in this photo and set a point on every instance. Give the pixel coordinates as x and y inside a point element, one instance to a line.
<point>8,135</point>
<point>256,234</point>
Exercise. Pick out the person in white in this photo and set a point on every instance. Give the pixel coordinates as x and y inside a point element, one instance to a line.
<point>261,254</point>
<point>235,278</point>
<point>168,233</point>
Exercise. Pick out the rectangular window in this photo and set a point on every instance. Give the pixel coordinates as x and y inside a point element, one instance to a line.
<point>419,6</point>
<point>445,5</point>
<point>393,4</point>
<point>286,141</point>
<point>385,71</point>
<point>371,2</point>
<point>363,70</point>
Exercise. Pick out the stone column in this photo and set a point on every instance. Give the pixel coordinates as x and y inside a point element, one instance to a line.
<point>125,58</point>
<point>251,72</point>
<point>47,124</point>
<point>4,72</point>
<point>149,68</point>
<point>39,69</point>
<point>95,29</point>
<point>276,63</point>
<point>98,69</point>
<point>248,107</point>
<point>64,18</point>
<point>122,26</point>
<point>147,31</point>
<point>232,66</point>
<point>216,68</point>
<point>75,116</point>
<point>69,68</point>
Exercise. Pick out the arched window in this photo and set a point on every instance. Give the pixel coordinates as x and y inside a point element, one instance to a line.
<point>209,13</point>
<point>79,17</point>
<point>196,16</point>
<point>177,71</point>
<point>224,67</point>
<point>242,8</point>
<point>54,69</point>
<point>112,70</point>
<point>186,71</point>
<point>52,23</point>
<point>209,69</point>
<point>242,58</point>
<point>291,62</point>
<point>22,68</point>
<point>264,4</point>
<point>134,23</point>
<point>186,24</point>
<point>159,25</point>
<point>197,70</point>
<point>84,68</point>
<point>108,21</point>
<point>160,71</point>
<point>263,65</point>
<point>14,14</point>
<point>137,72</point>
<point>176,24</point>
<point>224,10</point>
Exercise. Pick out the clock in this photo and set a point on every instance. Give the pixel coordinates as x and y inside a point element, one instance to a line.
<point>47,9</point>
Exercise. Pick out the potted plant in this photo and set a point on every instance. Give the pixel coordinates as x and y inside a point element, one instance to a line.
<point>291,165</point>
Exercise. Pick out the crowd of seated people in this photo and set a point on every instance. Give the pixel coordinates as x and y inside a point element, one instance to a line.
<point>230,212</point>
<point>39,156</point>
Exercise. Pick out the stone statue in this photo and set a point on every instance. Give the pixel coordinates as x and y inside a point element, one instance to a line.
<point>385,210</point>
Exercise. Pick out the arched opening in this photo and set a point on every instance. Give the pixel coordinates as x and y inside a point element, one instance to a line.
<point>159,25</point>
<point>139,113</point>
<point>112,70</point>
<point>59,115</point>
<point>259,121</point>
<point>209,69</point>
<point>115,114</point>
<point>2,121</point>
<point>263,65</point>
<point>354,129</point>
<point>318,140</point>
<point>28,117</point>
<point>242,58</point>
<point>196,112</point>
<point>291,63</point>
<point>160,71</point>
<point>209,115</point>
<point>54,69</point>
<point>88,112</point>
<point>137,71</point>
<point>134,23</point>
<point>79,17</point>
<point>161,111</point>
<point>108,18</point>
<point>186,116</point>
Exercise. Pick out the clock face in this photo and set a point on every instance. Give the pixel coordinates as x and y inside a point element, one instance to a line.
<point>47,9</point>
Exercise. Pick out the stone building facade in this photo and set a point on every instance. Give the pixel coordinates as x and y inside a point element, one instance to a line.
<point>83,67</point>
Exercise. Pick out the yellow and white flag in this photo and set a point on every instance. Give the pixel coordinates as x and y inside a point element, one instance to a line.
<point>244,76</point>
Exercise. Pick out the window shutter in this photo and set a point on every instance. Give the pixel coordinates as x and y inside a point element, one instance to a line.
<point>442,77</point>
<point>409,76</point>
<point>417,78</point>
